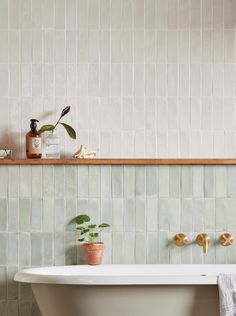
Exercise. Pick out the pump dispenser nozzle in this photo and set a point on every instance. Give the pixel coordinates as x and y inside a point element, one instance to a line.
<point>33,124</point>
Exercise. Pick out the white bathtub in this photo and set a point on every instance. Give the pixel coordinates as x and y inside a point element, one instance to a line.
<point>112,290</point>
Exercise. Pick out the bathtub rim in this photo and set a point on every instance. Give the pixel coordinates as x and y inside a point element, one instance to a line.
<point>94,275</point>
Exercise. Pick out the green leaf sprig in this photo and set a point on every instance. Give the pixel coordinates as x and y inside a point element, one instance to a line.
<point>50,127</point>
<point>88,232</point>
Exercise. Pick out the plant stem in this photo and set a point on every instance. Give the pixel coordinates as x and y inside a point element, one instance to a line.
<point>57,123</point>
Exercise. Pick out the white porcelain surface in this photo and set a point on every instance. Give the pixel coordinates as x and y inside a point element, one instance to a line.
<point>126,274</point>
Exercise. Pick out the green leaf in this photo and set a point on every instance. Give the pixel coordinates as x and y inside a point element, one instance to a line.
<point>84,231</point>
<point>80,228</point>
<point>92,226</point>
<point>71,132</point>
<point>93,235</point>
<point>103,225</point>
<point>46,128</point>
<point>81,239</point>
<point>81,219</point>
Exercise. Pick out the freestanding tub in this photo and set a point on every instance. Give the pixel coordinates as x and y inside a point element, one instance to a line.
<point>127,290</point>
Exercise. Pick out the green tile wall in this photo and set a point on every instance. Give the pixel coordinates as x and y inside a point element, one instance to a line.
<point>146,205</point>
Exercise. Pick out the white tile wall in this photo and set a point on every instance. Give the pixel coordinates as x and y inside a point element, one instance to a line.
<point>145,78</point>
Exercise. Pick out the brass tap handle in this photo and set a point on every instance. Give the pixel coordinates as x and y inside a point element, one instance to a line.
<point>226,239</point>
<point>203,240</point>
<point>180,239</point>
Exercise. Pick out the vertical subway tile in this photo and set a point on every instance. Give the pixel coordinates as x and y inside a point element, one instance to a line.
<point>48,181</point>
<point>209,215</point>
<point>117,215</point>
<point>152,181</point>
<point>107,239</point>
<point>187,215</point>
<point>230,214</point>
<point>221,181</point>
<point>48,214</point>
<point>164,254</point>
<point>70,248</point>
<point>4,181</point>
<point>221,207</point>
<point>13,186</point>
<point>152,214</point>
<point>59,181</point>
<point>106,181</point>
<point>209,181</point>
<point>12,249</point>
<point>140,181</point>
<point>25,181</point>
<point>24,249</point>
<point>25,214</point>
<point>94,208</point>
<point>198,180</point>
<point>83,181</point>
<point>140,248</point>
<point>140,215</point>
<point>70,213</point>
<point>3,214</point>
<point>129,181</point>
<point>59,248</point>
<point>117,181</point>
<point>36,249</point>
<point>48,254</point>
<point>13,215</point>
<point>198,215</point>
<point>117,247</point>
<point>186,181</point>
<point>36,214</point>
<point>152,248</point>
<point>174,214</point>
<point>163,214</point>
<point>129,215</point>
<point>231,186</point>
<point>37,181</point>
<point>129,248</point>
<point>106,211</point>
<point>175,252</point>
<point>163,181</point>
<point>94,181</point>
<point>71,179</point>
<point>59,215</point>
<point>174,181</point>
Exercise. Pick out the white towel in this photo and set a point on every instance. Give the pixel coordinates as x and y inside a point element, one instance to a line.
<point>227,294</point>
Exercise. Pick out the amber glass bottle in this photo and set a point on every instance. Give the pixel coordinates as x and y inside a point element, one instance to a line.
<point>33,141</point>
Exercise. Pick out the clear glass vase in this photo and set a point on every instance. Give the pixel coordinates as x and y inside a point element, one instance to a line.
<point>52,146</point>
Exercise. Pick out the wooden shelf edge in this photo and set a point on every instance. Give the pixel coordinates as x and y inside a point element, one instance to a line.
<point>121,161</point>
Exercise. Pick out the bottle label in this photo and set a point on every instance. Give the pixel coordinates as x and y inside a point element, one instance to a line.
<point>35,145</point>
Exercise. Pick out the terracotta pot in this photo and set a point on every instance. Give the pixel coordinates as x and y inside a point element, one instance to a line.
<point>94,252</point>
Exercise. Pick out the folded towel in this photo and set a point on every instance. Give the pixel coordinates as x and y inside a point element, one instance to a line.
<point>227,294</point>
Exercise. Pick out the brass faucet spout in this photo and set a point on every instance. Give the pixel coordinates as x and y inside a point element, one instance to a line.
<point>203,241</point>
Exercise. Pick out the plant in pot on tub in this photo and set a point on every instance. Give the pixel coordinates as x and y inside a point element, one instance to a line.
<point>89,234</point>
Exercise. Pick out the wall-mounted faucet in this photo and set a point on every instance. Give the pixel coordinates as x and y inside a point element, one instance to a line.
<point>226,239</point>
<point>180,239</point>
<point>203,241</point>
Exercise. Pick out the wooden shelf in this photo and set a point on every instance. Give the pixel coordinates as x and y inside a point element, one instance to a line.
<point>120,161</point>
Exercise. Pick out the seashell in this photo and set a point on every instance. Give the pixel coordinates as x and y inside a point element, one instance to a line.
<point>84,153</point>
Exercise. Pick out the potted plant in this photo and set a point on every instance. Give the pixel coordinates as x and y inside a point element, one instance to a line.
<point>89,234</point>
